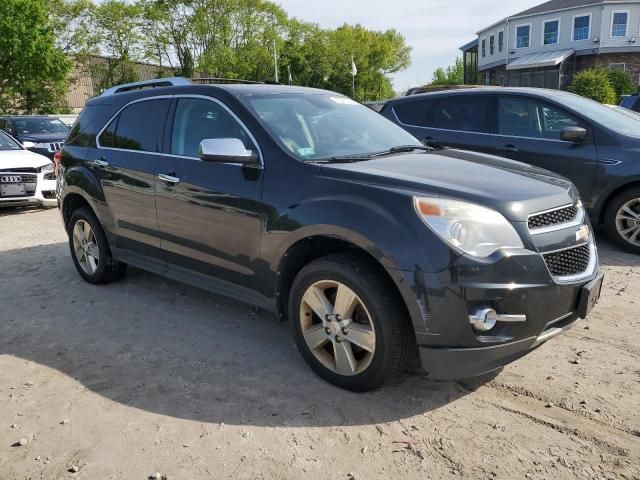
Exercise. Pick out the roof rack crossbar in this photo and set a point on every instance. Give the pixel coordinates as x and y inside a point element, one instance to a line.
<point>158,82</point>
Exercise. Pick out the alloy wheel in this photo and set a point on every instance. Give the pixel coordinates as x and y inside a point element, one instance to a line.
<point>628,221</point>
<point>86,247</point>
<point>337,327</point>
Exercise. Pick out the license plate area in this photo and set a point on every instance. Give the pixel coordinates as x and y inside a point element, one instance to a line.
<point>12,190</point>
<point>589,296</point>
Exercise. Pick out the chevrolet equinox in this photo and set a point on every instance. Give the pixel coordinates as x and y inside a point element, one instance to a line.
<point>380,251</point>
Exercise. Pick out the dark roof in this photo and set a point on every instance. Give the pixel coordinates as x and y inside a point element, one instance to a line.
<point>553,5</point>
<point>539,92</point>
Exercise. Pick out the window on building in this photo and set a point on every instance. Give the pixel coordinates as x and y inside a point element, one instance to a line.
<point>484,47</point>
<point>618,66</point>
<point>551,32</point>
<point>619,24</point>
<point>492,44</point>
<point>500,41</point>
<point>581,28</point>
<point>523,36</point>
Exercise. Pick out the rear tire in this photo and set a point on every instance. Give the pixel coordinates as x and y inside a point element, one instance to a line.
<point>366,346</point>
<point>622,220</point>
<point>90,250</point>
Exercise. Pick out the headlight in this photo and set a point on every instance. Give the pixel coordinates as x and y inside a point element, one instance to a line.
<point>476,230</point>
<point>28,144</point>
<point>47,168</point>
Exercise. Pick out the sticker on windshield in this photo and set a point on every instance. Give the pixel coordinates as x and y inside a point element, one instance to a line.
<point>306,151</point>
<point>344,101</point>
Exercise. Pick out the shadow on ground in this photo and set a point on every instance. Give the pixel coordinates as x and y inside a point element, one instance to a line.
<point>167,348</point>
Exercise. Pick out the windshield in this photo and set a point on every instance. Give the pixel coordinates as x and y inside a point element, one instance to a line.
<point>609,117</point>
<point>27,126</point>
<point>321,127</point>
<point>7,143</point>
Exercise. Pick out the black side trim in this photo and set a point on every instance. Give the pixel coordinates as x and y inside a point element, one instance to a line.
<point>196,279</point>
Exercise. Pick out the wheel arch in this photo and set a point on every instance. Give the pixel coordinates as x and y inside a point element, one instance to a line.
<point>608,198</point>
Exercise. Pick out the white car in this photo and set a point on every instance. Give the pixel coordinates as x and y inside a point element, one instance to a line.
<point>26,178</point>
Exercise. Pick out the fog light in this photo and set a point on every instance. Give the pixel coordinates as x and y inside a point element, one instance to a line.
<point>483,319</point>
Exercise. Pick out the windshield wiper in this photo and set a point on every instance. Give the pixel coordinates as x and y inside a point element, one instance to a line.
<point>362,157</point>
<point>410,148</point>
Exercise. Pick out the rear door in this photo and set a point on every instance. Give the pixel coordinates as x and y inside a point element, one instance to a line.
<point>455,121</point>
<point>126,161</point>
<point>528,130</point>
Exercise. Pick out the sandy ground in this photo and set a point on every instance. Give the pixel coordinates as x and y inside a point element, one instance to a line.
<point>147,375</point>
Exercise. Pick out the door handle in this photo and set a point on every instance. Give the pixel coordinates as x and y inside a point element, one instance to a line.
<point>509,149</point>
<point>99,163</point>
<point>168,178</point>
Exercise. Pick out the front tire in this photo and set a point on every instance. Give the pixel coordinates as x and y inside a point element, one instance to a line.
<point>622,220</point>
<point>90,250</point>
<point>348,323</point>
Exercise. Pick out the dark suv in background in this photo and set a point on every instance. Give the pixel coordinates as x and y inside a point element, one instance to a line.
<point>594,146</point>
<point>380,251</point>
<point>40,134</point>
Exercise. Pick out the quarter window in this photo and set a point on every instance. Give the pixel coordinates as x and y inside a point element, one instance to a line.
<point>551,32</point>
<point>523,117</point>
<point>619,24</point>
<point>581,26</point>
<point>138,127</point>
<point>197,119</point>
<point>523,36</point>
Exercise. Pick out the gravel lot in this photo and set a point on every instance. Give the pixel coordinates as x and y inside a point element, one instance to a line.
<point>148,375</point>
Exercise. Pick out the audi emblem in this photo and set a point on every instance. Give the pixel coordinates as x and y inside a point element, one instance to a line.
<point>10,179</point>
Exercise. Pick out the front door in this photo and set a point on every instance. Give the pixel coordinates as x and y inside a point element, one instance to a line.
<point>528,130</point>
<point>209,213</point>
<point>126,161</point>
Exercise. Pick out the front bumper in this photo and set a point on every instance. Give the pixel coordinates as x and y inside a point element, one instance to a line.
<point>44,195</point>
<point>459,363</point>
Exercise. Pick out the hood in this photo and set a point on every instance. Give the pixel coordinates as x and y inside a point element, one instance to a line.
<point>42,137</point>
<point>22,159</point>
<point>514,189</point>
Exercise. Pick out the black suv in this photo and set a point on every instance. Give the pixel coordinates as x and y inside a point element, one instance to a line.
<point>380,251</point>
<point>594,146</point>
<point>40,134</point>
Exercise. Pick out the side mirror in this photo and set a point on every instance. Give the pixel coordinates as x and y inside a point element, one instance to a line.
<point>226,150</point>
<point>573,134</point>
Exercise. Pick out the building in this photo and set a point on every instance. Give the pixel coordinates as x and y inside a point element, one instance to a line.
<point>545,45</point>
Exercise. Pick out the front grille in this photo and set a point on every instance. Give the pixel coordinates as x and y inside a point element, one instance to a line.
<point>571,261</point>
<point>55,146</point>
<point>554,217</point>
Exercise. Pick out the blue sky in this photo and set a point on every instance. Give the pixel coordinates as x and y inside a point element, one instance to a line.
<point>434,28</point>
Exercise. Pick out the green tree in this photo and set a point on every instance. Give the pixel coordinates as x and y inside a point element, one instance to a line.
<point>117,26</point>
<point>594,84</point>
<point>453,75</point>
<point>33,70</point>
<point>621,82</point>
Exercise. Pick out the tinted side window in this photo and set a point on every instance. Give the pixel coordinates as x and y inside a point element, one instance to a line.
<point>108,134</point>
<point>465,113</point>
<point>140,125</point>
<point>88,124</point>
<point>197,119</point>
<point>524,117</point>
<point>413,113</point>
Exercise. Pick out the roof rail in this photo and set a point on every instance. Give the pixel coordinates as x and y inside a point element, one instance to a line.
<point>217,80</point>
<point>158,82</point>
